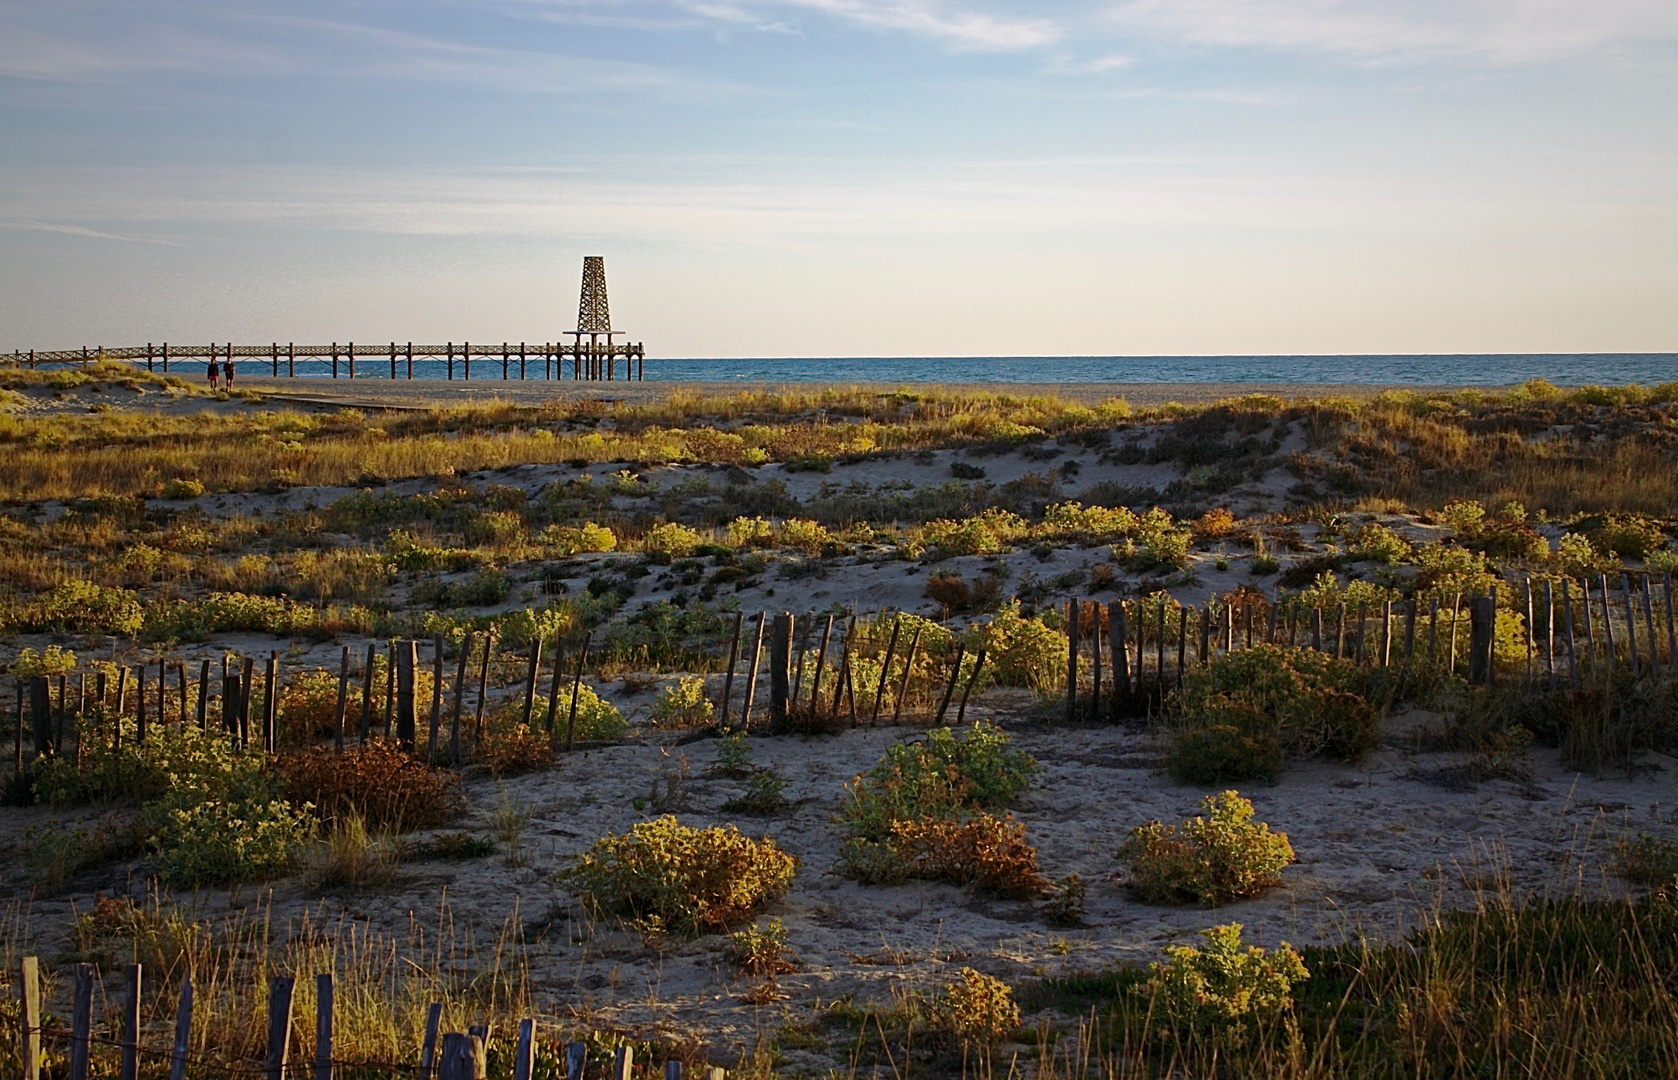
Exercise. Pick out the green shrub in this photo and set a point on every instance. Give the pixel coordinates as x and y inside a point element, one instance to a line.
<point>207,842</point>
<point>1378,543</point>
<point>1647,861</point>
<point>760,950</point>
<point>1576,556</point>
<point>677,878</point>
<point>596,717</point>
<point>988,533</point>
<point>76,607</point>
<point>975,1010</point>
<point>803,535</point>
<point>749,532</point>
<point>1091,523</point>
<point>1020,651</point>
<point>1211,860</point>
<point>50,661</point>
<point>1273,701</point>
<point>1224,985</point>
<point>577,539</point>
<point>683,704</point>
<point>1631,536</point>
<point>495,528</point>
<point>1464,517</point>
<point>671,540</point>
<point>182,488</point>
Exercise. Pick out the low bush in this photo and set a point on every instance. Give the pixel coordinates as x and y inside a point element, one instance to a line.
<point>75,607</point>
<point>1648,861</point>
<point>1224,985</point>
<point>671,540</point>
<point>182,488</point>
<point>577,539</point>
<point>1020,651</point>
<point>1210,860</point>
<point>681,879</point>
<point>683,704</point>
<point>597,718</point>
<point>351,857</point>
<point>1240,716</point>
<point>376,781</point>
<point>760,950</point>
<point>985,851</point>
<point>1630,536</point>
<point>1378,543</point>
<point>507,750</point>
<point>975,1010</point>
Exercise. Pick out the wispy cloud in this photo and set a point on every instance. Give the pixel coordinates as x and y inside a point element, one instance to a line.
<point>1507,31</point>
<point>965,28</point>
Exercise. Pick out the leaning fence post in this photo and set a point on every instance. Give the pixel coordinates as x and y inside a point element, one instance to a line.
<point>979,663</point>
<point>733,659</point>
<point>534,666</point>
<point>183,1031</point>
<point>459,695</point>
<point>1567,615</point>
<point>367,691</point>
<point>29,994</point>
<point>131,1025</point>
<point>523,1052</point>
<point>323,1026</point>
<point>1649,624</point>
<point>885,670</point>
<point>428,1048</point>
<point>437,698</point>
<point>751,673</point>
<point>279,1025</point>
<point>576,692</point>
<point>949,691</point>
<point>81,1019</point>
<point>908,666</point>
<point>821,664</point>
<point>1631,625</point>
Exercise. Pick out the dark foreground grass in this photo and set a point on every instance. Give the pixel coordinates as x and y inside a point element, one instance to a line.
<point>1552,988</point>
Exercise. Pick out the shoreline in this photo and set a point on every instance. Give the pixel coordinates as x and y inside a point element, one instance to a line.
<point>421,393</point>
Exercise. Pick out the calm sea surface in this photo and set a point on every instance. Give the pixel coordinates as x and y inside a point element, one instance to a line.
<point>1487,369</point>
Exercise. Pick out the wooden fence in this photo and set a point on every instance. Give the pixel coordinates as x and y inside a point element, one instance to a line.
<point>440,1055</point>
<point>1123,657</point>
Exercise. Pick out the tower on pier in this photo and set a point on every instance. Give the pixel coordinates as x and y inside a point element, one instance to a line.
<point>594,320</point>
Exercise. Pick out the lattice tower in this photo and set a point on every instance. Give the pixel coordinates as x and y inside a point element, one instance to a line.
<point>593,315</point>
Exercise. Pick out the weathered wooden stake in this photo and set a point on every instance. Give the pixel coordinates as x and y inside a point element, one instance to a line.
<point>1095,660</point>
<point>367,692</point>
<point>343,699</point>
<point>576,693</point>
<point>1482,619</point>
<point>130,1068</point>
<point>1456,612</point>
<point>463,1057</point>
<point>1649,624</point>
<point>908,666</point>
<point>780,657</point>
<point>524,1050</point>
<point>437,690</point>
<point>530,678</point>
<point>323,1026</point>
<point>733,658</point>
<point>183,1031</point>
<point>1072,613</point>
<point>752,670</point>
<point>950,689</point>
<point>821,662</point>
<point>483,689</point>
<point>81,1019</point>
<point>1118,651</point>
<point>203,695</point>
<point>1317,629</point>
<point>885,670</point>
<point>623,1063</point>
<point>29,1000</point>
<point>1631,625</point>
<point>553,687</point>
<point>279,1025</point>
<point>1549,636</point>
<point>978,663</point>
<point>428,1048</point>
<point>1183,640</point>
<point>459,695</point>
<point>407,682</point>
<point>576,1056</point>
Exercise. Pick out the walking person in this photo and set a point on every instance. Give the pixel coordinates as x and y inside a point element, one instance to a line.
<point>214,372</point>
<point>227,372</point>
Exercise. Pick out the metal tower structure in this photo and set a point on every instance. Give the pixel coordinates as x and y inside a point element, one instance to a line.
<point>594,316</point>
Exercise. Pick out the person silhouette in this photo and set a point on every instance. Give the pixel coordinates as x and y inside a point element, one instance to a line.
<point>227,372</point>
<point>213,372</point>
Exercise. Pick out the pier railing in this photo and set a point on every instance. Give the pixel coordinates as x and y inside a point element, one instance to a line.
<point>589,360</point>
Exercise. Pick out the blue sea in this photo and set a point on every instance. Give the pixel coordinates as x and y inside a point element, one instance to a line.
<point>1469,369</point>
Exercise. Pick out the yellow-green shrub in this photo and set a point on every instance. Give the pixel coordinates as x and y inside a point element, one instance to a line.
<point>1211,860</point>
<point>1224,984</point>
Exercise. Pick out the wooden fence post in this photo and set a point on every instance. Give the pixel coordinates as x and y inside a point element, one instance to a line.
<point>247,681</point>
<point>751,673</point>
<point>733,659</point>
<point>949,690</point>
<point>576,1055</point>
<point>428,1048</point>
<point>40,714</point>
<point>531,669</point>
<point>29,1000</point>
<point>463,1057</point>
<point>407,714</point>
<point>203,713</point>
<point>459,695</point>
<point>673,1070</point>
<point>437,683</point>
<point>979,663</point>
<point>553,689</point>
<point>1095,660</point>
<point>271,704</point>
<point>576,692</point>
<point>1631,625</point>
<point>524,1051</point>
<point>483,689</point>
<point>130,1069</point>
<point>323,1026</point>
<point>1482,622</point>
<point>1183,638</point>
<point>367,691</point>
<point>81,1019</point>
<point>1567,615</point>
<point>1072,613</point>
<point>183,1031</point>
<point>908,666</point>
<point>780,665</point>
<point>279,1025</point>
<point>623,1063</point>
<point>1649,625</point>
<point>343,699</point>
<point>1118,656</point>
<point>821,664</point>
<point>885,670</point>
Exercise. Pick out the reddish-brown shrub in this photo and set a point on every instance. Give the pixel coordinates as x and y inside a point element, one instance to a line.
<point>513,750</point>
<point>377,780</point>
<point>985,851</point>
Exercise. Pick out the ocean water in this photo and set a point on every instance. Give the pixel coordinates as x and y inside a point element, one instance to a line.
<point>1482,369</point>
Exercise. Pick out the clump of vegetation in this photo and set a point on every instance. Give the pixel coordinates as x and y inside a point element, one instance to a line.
<point>1648,861</point>
<point>1241,716</point>
<point>681,879</point>
<point>376,781</point>
<point>683,704</point>
<point>975,1010</point>
<point>1210,860</point>
<point>351,857</point>
<point>760,950</point>
<point>1065,906</point>
<point>506,750</point>
<point>762,793</point>
<point>926,811</point>
<point>1223,985</point>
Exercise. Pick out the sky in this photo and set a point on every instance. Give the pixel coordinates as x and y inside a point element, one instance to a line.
<point>845,177</point>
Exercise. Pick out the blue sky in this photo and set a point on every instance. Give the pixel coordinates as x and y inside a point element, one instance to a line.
<point>846,177</point>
